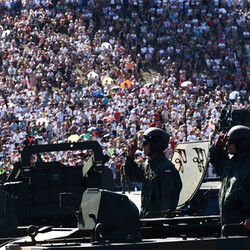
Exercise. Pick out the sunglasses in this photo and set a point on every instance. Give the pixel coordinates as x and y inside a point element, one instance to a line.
<point>145,142</point>
<point>231,141</point>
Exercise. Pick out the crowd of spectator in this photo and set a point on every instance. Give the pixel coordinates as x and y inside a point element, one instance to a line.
<point>78,67</point>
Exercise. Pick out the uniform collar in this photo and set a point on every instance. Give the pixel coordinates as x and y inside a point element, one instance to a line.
<point>242,159</point>
<point>156,159</point>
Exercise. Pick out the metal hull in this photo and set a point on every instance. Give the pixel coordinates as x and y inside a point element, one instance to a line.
<point>232,243</point>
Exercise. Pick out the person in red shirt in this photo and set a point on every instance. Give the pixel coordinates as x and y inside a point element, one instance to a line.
<point>117,115</point>
<point>153,123</point>
<point>172,142</point>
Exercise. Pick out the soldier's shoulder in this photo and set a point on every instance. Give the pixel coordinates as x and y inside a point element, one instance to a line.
<point>167,164</point>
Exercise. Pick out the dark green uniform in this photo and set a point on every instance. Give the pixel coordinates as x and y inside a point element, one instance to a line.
<point>234,197</point>
<point>161,184</point>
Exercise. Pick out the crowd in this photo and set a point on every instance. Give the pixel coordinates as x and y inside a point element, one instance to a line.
<point>78,67</point>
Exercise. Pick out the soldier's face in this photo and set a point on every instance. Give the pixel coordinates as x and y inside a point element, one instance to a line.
<point>231,147</point>
<point>146,149</point>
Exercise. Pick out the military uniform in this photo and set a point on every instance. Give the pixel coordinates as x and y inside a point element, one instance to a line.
<point>161,184</point>
<point>234,197</point>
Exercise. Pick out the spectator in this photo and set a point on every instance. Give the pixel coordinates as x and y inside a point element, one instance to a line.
<point>53,59</point>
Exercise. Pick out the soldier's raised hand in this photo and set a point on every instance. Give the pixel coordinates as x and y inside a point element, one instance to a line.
<point>222,140</point>
<point>132,148</point>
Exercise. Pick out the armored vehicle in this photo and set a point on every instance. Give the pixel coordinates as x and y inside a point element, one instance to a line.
<point>31,194</point>
<point>47,205</point>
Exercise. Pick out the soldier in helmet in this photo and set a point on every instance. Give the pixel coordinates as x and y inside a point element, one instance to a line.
<point>161,183</point>
<point>234,197</point>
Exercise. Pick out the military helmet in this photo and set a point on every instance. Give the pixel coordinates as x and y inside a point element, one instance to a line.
<point>239,131</point>
<point>240,135</point>
<point>157,138</point>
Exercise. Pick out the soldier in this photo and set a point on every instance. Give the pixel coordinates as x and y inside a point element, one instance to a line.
<point>234,197</point>
<point>124,178</point>
<point>3,174</point>
<point>161,183</point>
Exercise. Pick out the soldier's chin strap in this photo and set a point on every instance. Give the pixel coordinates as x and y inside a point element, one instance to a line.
<point>240,154</point>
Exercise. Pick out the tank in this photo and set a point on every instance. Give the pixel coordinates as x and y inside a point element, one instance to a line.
<point>51,206</point>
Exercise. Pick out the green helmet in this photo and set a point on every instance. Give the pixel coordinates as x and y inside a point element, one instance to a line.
<point>157,138</point>
<point>241,136</point>
<point>239,131</point>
